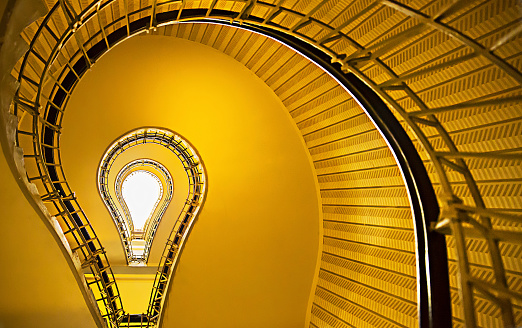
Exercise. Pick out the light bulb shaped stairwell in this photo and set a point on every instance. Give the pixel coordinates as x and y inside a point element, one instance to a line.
<point>197,189</point>
<point>141,192</point>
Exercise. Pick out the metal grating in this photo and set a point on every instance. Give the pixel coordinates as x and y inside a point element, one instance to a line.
<point>450,71</point>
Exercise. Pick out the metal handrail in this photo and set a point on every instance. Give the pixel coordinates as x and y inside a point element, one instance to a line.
<point>193,166</point>
<point>152,222</point>
<point>452,209</point>
<point>124,222</point>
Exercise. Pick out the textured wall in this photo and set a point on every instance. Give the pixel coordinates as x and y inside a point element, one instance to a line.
<point>450,72</point>
<point>367,273</point>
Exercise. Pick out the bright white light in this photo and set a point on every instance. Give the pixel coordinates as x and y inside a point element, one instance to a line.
<point>141,191</point>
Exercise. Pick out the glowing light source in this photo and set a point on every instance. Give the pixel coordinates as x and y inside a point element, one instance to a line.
<point>141,191</point>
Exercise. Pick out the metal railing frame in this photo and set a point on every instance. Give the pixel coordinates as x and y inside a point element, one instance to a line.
<point>123,221</point>
<point>456,218</point>
<point>194,168</point>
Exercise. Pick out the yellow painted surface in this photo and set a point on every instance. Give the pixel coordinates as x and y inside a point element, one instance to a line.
<point>37,286</point>
<point>179,177</point>
<point>250,258</point>
<point>135,291</point>
<point>360,185</point>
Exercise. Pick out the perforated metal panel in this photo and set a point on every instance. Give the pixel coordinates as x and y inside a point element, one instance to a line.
<point>451,73</point>
<point>368,263</point>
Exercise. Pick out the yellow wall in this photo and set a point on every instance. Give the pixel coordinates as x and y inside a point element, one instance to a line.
<point>37,286</point>
<point>443,80</point>
<point>251,256</point>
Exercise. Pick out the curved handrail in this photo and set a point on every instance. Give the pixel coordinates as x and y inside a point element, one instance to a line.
<point>457,215</point>
<point>124,222</point>
<point>196,175</point>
